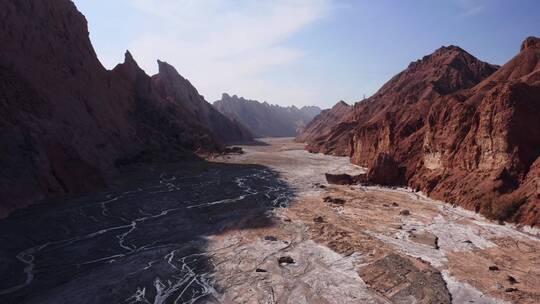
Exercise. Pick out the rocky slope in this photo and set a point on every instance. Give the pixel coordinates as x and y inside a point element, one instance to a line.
<point>66,122</point>
<point>176,88</point>
<point>323,123</point>
<point>266,120</point>
<point>462,130</point>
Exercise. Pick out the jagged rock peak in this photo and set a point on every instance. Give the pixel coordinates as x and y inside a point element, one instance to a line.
<point>83,121</point>
<point>530,42</point>
<point>167,69</point>
<point>444,56</point>
<point>128,59</point>
<point>235,98</point>
<point>444,71</point>
<point>129,68</point>
<point>264,119</point>
<point>450,48</point>
<point>341,103</point>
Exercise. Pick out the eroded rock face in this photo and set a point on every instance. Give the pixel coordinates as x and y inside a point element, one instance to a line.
<point>65,121</point>
<point>266,120</point>
<point>323,123</point>
<point>487,140</point>
<point>398,109</point>
<point>463,130</point>
<point>530,42</point>
<point>175,88</point>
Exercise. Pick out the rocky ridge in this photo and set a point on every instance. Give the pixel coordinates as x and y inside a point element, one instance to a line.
<point>175,88</point>
<point>264,119</point>
<point>67,123</point>
<point>463,131</point>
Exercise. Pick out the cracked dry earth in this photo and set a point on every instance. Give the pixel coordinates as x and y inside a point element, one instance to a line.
<point>261,227</point>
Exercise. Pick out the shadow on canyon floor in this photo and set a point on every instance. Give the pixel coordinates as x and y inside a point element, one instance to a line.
<point>140,244</point>
<point>257,142</point>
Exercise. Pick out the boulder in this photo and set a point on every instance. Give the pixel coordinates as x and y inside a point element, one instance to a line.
<point>334,200</point>
<point>339,179</point>
<point>384,170</point>
<point>511,279</point>
<point>318,219</point>
<point>234,150</point>
<point>285,260</point>
<point>345,179</point>
<point>405,212</point>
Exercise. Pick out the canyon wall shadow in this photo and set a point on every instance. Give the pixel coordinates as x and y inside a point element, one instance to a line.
<point>142,243</point>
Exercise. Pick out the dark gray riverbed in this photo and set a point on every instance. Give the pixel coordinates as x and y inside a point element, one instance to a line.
<point>142,243</point>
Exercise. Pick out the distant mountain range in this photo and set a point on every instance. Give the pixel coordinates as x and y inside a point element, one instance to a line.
<point>265,120</point>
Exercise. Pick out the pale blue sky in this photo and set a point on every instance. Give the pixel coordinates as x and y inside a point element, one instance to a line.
<point>302,51</point>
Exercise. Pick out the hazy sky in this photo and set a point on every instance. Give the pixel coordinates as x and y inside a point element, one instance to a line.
<point>301,51</point>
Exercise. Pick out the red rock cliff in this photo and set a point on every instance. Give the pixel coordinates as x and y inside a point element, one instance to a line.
<point>464,131</point>
<point>65,120</point>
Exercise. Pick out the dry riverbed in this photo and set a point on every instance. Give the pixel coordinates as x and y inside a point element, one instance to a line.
<point>352,244</point>
<point>260,227</point>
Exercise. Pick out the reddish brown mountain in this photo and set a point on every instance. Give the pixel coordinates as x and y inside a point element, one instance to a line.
<point>462,131</point>
<point>264,119</point>
<point>323,123</point>
<point>407,96</point>
<point>481,148</point>
<point>65,121</point>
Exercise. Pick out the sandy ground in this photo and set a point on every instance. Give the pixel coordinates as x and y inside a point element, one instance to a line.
<point>380,245</point>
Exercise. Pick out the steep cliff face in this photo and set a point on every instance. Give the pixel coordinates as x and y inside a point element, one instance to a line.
<point>393,120</point>
<point>480,147</point>
<point>265,120</point>
<point>462,130</point>
<point>175,88</point>
<point>163,129</point>
<point>64,119</point>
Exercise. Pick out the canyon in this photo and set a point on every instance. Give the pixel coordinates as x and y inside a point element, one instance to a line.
<point>122,187</point>
<point>262,226</point>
